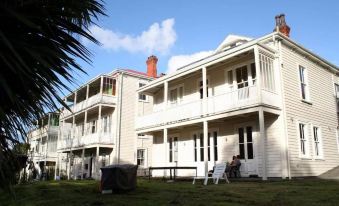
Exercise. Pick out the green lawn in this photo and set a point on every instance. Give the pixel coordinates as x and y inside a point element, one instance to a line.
<point>157,192</point>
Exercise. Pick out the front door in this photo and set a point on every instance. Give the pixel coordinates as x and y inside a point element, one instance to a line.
<point>246,142</point>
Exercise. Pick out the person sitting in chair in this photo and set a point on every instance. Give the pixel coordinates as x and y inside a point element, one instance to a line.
<point>235,170</point>
<point>229,166</point>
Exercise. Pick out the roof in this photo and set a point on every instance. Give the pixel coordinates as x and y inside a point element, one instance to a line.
<point>231,40</point>
<point>136,72</point>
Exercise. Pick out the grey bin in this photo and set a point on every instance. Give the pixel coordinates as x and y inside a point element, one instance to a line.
<point>118,178</point>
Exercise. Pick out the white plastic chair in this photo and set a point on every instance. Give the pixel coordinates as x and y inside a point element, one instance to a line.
<point>218,173</point>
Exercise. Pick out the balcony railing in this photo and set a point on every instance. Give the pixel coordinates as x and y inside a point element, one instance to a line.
<point>237,99</point>
<point>87,140</point>
<point>91,101</point>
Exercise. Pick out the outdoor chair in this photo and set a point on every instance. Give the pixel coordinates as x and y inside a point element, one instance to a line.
<point>218,173</point>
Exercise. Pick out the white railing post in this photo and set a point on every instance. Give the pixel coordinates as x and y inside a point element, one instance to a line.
<point>258,71</point>
<point>99,127</point>
<point>165,94</point>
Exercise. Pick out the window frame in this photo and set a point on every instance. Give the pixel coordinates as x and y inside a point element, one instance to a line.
<point>320,144</point>
<point>143,158</point>
<point>145,99</point>
<point>179,100</point>
<point>306,140</point>
<point>304,84</point>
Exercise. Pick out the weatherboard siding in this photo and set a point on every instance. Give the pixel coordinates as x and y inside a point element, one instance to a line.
<point>321,112</point>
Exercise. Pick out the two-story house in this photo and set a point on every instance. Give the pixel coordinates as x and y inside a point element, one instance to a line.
<point>98,129</point>
<point>43,146</point>
<point>268,99</point>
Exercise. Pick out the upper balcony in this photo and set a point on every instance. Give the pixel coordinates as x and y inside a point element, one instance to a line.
<point>48,124</point>
<point>243,80</point>
<point>101,90</point>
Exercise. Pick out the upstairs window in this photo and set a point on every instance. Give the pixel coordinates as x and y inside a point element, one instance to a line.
<point>93,126</point>
<point>303,83</point>
<point>254,74</point>
<point>106,123</point>
<point>142,97</point>
<point>242,77</point>
<point>109,86</point>
<point>176,95</point>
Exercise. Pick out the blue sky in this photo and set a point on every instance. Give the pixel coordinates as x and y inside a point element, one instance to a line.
<point>134,30</point>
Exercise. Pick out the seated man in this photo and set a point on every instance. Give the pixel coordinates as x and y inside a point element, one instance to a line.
<point>229,166</point>
<point>235,170</point>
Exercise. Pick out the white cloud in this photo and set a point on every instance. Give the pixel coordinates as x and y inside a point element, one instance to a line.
<point>178,61</point>
<point>158,38</point>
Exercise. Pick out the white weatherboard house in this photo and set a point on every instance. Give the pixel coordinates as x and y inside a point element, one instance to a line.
<point>99,129</point>
<point>43,146</point>
<point>268,99</point>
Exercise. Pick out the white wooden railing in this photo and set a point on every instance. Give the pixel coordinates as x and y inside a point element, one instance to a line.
<point>237,99</point>
<point>91,101</point>
<point>90,139</point>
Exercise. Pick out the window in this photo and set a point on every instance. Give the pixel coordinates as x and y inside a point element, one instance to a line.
<point>142,97</point>
<point>106,123</point>
<point>303,140</point>
<point>253,73</point>
<point>141,157</point>
<point>201,147</point>
<point>303,83</point>
<point>215,144</point>
<point>337,97</point>
<point>230,80</point>
<point>208,147</point>
<point>54,120</point>
<point>317,142</point>
<point>170,150</point>
<point>93,126</point>
<point>242,77</point>
<point>52,143</point>
<point>195,147</point>
<point>246,143</point>
<point>176,95</point>
<point>201,90</point>
<point>81,130</point>
<point>241,143</point>
<point>173,149</point>
<point>109,86</point>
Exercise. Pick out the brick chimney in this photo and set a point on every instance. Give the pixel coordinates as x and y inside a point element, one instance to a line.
<point>281,26</point>
<point>152,66</point>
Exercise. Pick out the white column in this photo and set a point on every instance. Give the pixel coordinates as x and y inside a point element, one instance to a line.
<point>165,94</point>
<point>87,91</point>
<point>101,84</point>
<point>75,98</point>
<point>85,123</point>
<point>82,163</point>
<point>204,90</point>
<point>97,168</point>
<point>99,124</point>
<point>69,165</point>
<point>165,132</point>
<point>257,68</point>
<point>263,142</point>
<point>205,133</point>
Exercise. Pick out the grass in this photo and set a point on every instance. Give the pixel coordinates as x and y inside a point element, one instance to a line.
<point>157,192</point>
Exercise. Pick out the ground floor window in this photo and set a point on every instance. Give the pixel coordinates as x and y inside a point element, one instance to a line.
<point>141,157</point>
<point>212,146</point>
<point>245,135</point>
<point>317,142</point>
<point>303,139</point>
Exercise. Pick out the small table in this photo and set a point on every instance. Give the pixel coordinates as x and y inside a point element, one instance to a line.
<point>171,168</point>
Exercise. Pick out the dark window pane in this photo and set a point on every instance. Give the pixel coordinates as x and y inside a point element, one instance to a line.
<point>201,93</point>
<point>303,93</point>
<point>215,138</point>
<point>242,151</point>
<point>249,151</point>
<point>201,154</point>
<point>244,73</point>
<point>238,75</point>
<point>170,156</point>
<point>208,147</point>
<point>249,134</point>
<point>241,135</point>
<point>201,140</point>
<point>195,140</point>
<point>253,71</point>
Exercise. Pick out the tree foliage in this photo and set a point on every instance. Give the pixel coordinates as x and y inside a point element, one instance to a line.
<point>39,44</point>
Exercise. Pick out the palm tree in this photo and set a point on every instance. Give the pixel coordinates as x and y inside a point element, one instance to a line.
<point>39,44</point>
